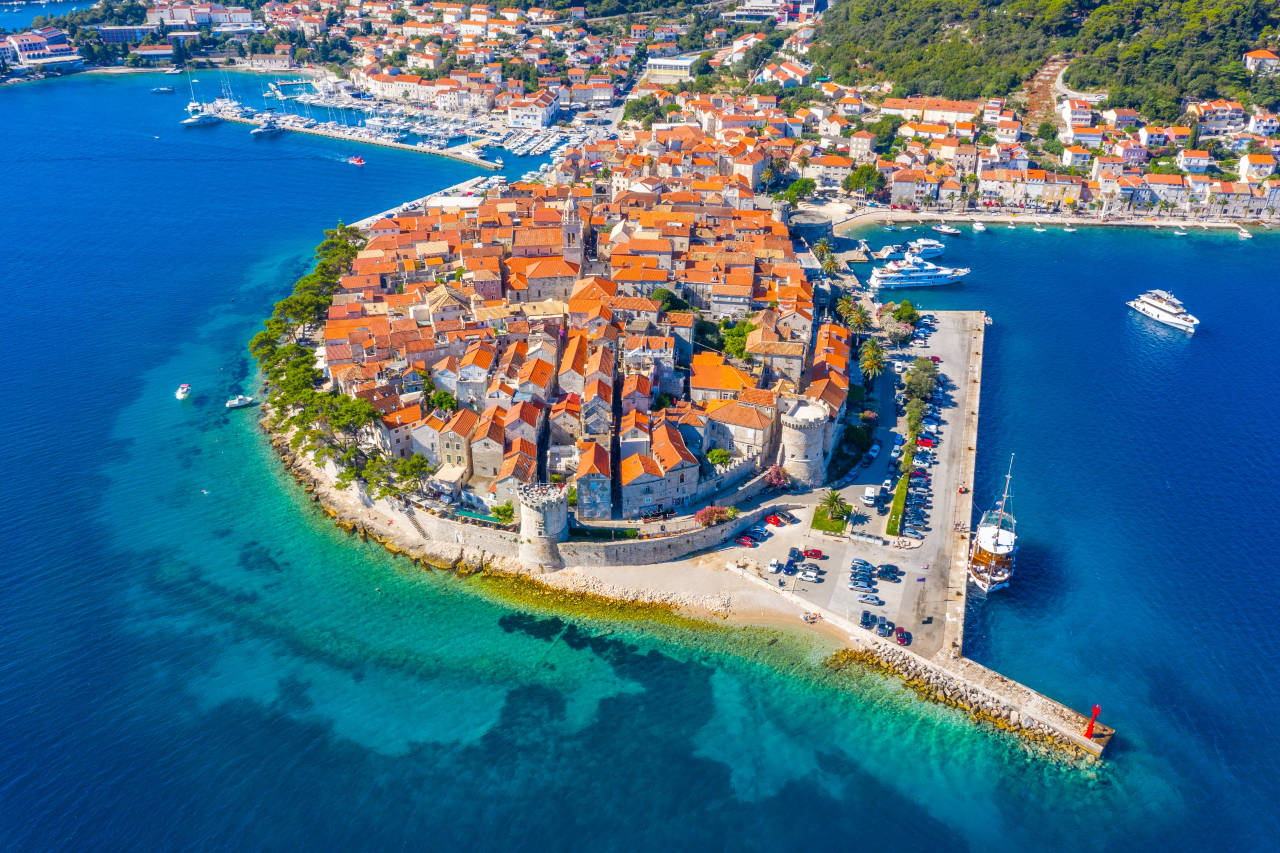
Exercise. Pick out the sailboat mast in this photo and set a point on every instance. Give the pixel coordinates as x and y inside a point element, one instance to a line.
<point>1004,499</point>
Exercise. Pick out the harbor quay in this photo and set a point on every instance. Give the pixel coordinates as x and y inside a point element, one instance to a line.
<point>461,153</point>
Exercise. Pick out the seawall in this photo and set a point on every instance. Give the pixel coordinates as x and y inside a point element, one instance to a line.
<point>451,153</point>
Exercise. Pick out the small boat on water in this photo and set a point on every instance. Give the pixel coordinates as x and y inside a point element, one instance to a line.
<point>239,401</point>
<point>979,227</point>
<point>162,90</point>
<point>267,128</point>
<point>926,247</point>
<point>356,160</point>
<point>1011,226</point>
<point>1179,233</point>
<point>1069,229</point>
<point>184,391</point>
<point>946,229</point>
<point>1244,235</point>
<point>177,69</point>
<point>1039,228</point>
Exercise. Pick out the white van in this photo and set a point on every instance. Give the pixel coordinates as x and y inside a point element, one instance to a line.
<point>869,495</point>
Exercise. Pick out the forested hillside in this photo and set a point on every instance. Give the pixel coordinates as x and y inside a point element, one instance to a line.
<point>952,48</point>
<point>1146,53</point>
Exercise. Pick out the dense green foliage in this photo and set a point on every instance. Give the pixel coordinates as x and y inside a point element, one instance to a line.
<point>1149,53</point>
<point>324,423</point>
<point>1145,53</point>
<point>950,48</point>
<point>735,339</point>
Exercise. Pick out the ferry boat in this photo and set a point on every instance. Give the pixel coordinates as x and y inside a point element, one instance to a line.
<point>926,247</point>
<point>184,391</point>
<point>946,229</point>
<point>995,544</point>
<point>239,401</point>
<point>912,271</point>
<point>1163,307</point>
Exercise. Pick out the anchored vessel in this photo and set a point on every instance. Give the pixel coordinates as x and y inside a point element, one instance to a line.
<point>1163,307</point>
<point>995,544</point>
<point>184,391</point>
<point>912,271</point>
<point>239,401</point>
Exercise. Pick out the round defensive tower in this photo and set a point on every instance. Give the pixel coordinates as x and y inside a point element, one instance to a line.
<point>804,431</point>
<point>544,522</point>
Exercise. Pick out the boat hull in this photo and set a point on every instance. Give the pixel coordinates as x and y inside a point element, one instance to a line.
<point>1171,322</point>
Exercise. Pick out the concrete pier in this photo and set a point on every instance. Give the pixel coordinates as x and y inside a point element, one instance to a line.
<point>455,153</point>
<point>461,188</point>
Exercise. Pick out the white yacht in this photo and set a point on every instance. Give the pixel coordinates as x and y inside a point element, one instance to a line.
<point>912,271</point>
<point>1164,308</point>
<point>239,401</point>
<point>200,120</point>
<point>979,227</point>
<point>926,247</point>
<point>183,392</point>
<point>946,229</point>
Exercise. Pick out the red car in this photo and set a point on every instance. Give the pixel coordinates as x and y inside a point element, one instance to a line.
<point>773,520</point>
<point>918,473</point>
<point>813,554</point>
<point>746,541</point>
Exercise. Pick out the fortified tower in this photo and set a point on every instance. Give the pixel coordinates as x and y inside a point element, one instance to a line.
<point>804,430</point>
<point>544,522</point>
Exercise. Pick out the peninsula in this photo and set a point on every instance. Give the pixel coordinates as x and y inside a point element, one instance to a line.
<point>646,382</point>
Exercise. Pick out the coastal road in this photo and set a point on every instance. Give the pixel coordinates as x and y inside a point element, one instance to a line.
<point>923,591</point>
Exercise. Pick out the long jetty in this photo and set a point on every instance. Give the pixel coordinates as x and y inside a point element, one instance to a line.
<point>455,153</point>
<point>469,185</point>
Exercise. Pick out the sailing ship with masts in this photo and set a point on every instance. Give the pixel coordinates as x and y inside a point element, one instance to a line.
<point>995,544</point>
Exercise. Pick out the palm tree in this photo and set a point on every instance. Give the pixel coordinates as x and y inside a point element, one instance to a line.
<point>835,506</point>
<point>859,320</point>
<point>872,360</point>
<point>822,248</point>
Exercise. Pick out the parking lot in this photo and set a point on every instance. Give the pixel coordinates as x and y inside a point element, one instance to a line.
<point>917,600</point>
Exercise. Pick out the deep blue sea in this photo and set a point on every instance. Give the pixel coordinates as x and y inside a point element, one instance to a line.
<point>191,657</point>
<point>15,18</point>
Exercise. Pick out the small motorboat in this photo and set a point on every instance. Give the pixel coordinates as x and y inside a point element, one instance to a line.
<point>239,401</point>
<point>162,90</point>
<point>946,229</point>
<point>356,160</point>
<point>1179,233</point>
<point>1244,235</point>
<point>184,391</point>
<point>1069,229</point>
<point>979,227</point>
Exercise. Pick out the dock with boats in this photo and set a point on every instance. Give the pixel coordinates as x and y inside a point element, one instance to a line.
<point>462,153</point>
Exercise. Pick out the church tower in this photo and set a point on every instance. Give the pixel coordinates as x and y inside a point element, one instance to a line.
<point>572,233</point>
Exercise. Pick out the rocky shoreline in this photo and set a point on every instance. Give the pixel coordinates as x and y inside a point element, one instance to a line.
<point>590,595</point>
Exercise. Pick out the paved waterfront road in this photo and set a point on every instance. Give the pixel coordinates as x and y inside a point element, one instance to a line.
<point>910,602</point>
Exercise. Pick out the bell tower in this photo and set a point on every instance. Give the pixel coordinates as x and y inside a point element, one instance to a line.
<point>571,233</point>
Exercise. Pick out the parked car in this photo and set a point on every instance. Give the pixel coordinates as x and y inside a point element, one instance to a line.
<point>775,565</point>
<point>790,569</point>
<point>858,561</point>
<point>795,553</point>
<point>813,554</point>
<point>904,639</point>
<point>935,359</point>
<point>861,587</point>
<point>868,598</point>
<point>746,541</point>
<point>890,567</point>
<point>773,520</point>
<point>811,577</point>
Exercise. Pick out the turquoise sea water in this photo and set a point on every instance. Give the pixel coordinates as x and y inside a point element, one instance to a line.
<point>193,657</point>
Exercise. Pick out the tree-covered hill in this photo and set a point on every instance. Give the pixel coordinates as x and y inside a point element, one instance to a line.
<point>1146,53</point>
<point>1149,53</point>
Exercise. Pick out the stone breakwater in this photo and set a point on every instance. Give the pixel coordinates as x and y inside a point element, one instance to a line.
<point>964,691</point>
